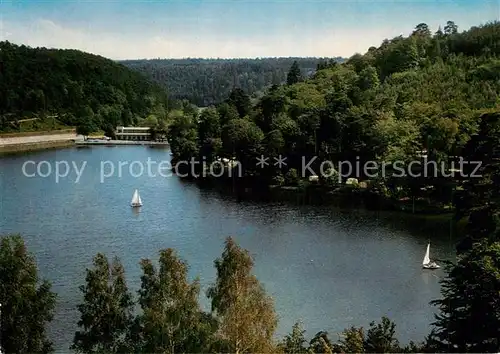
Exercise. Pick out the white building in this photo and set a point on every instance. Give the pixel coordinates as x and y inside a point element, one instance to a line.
<point>133,133</point>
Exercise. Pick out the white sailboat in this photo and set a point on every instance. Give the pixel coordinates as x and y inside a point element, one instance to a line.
<point>136,199</point>
<point>426,263</point>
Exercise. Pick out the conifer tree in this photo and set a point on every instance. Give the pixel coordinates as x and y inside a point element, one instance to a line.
<point>294,75</point>
<point>294,342</point>
<point>469,317</point>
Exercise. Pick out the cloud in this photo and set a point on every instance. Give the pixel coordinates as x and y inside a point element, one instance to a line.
<point>123,45</point>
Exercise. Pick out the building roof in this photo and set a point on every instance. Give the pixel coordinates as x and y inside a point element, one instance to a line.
<point>135,128</point>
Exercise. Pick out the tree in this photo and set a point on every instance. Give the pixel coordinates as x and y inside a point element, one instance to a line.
<point>183,136</point>
<point>106,311</point>
<point>109,131</point>
<point>469,310</point>
<point>27,302</point>
<point>294,75</point>
<point>150,121</point>
<point>172,321</point>
<point>77,87</point>
<point>381,337</point>
<point>242,138</point>
<point>294,342</point>
<point>422,29</point>
<point>368,78</point>
<point>209,133</point>
<point>227,112</point>
<point>292,177</point>
<point>320,343</point>
<point>450,28</point>
<point>352,340</point>
<point>245,313</point>
<point>241,101</point>
<point>480,200</point>
<point>85,129</point>
<point>439,33</point>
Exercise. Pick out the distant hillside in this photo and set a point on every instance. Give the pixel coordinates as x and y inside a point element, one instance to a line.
<point>70,87</point>
<point>209,81</point>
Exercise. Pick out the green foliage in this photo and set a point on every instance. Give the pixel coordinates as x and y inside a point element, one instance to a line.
<point>412,96</point>
<point>240,100</point>
<point>171,320</point>
<point>292,177</point>
<point>242,137</point>
<point>81,89</point>
<point>106,311</point>
<point>294,75</point>
<point>353,340</point>
<point>246,314</point>
<point>381,338</point>
<point>479,199</point>
<point>85,128</point>
<point>330,177</point>
<point>150,121</point>
<point>227,112</point>
<point>209,133</point>
<point>294,343</point>
<point>469,317</point>
<point>208,82</point>
<point>183,137</point>
<point>27,302</point>
<point>320,343</point>
<point>279,180</point>
<point>109,131</point>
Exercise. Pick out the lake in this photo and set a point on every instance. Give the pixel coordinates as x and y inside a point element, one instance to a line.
<point>329,267</point>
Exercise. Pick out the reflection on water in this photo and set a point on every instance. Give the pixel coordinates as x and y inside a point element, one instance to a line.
<point>136,211</point>
<point>332,268</point>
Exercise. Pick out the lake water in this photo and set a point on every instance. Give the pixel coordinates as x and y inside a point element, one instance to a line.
<point>328,267</point>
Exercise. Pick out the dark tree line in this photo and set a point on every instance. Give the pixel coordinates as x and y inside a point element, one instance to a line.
<point>209,81</point>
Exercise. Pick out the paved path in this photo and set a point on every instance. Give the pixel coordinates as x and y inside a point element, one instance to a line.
<point>37,139</point>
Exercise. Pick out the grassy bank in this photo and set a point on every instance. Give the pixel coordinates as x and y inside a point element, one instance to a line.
<point>48,132</point>
<point>44,145</point>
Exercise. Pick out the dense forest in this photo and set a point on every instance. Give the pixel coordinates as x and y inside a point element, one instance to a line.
<point>209,81</point>
<point>413,98</point>
<point>72,88</point>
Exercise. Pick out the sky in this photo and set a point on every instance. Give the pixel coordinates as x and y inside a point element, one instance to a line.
<point>125,29</point>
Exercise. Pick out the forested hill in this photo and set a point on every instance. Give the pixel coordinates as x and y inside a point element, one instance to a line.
<point>427,91</point>
<point>209,81</point>
<point>77,88</point>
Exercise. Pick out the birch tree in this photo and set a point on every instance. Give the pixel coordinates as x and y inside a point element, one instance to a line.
<point>246,315</point>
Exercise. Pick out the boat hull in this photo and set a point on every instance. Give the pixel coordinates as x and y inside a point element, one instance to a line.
<point>430,266</point>
<point>135,205</point>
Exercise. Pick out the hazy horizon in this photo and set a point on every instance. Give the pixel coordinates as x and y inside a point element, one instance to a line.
<point>196,29</point>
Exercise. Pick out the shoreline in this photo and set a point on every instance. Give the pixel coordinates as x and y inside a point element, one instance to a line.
<point>120,142</point>
<point>11,143</point>
<point>35,146</point>
<point>40,133</point>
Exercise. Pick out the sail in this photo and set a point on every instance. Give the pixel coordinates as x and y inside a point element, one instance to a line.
<point>136,199</point>
<point>426,257</point>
